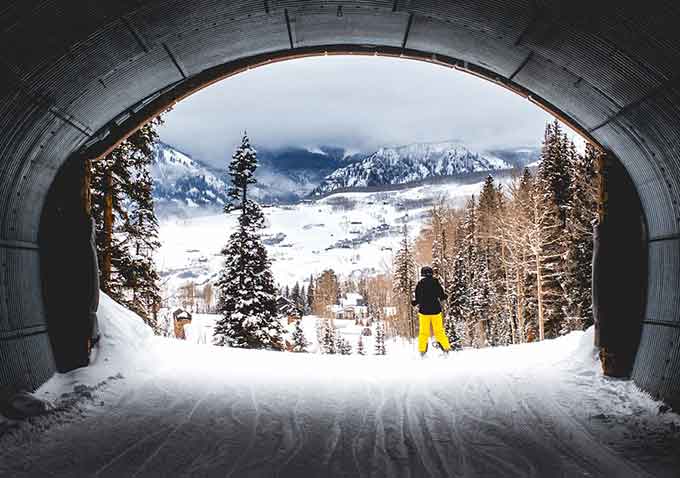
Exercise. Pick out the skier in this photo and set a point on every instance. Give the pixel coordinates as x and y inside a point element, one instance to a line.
<point>428,294</point>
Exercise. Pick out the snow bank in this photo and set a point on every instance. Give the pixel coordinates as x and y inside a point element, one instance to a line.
<point>119,327</point>
<point>124,347</point>
<point>586,355</point>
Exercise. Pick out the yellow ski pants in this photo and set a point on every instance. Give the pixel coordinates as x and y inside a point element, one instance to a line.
<point>437,323</point>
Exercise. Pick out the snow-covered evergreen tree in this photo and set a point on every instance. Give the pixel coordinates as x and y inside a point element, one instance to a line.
<point>476,303</point>
<point>319,328</point>
<point>302,301</point>
<point>295,296</point>
<point>309,304</point>
<point>481,301</point>
<point>329,340</point>
<point>140,231</point>
<point>360,346</point>
<point>299,341</point>
<point>126,229</point>
<point>554,175</point>
<point>488,208</point>
<point>345,348</point>
<point>494,305</point>
<point>581,215</point>
<point>247,300</point>
<point>380,338</point>
<point>552,199</point>
<point>404,277</point>
<point>455,324</point>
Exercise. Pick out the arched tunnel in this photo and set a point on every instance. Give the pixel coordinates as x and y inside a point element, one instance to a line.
<point>78,76</point>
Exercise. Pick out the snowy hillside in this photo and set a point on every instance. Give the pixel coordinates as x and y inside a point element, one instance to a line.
<point>405,164</point>
<point>352,233</point>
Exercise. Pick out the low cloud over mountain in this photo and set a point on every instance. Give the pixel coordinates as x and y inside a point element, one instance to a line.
<point>184,185</point>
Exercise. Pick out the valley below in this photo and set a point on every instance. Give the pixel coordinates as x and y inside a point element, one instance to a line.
<point>353,233</point>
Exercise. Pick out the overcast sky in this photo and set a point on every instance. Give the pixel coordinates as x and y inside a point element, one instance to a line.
<point>359,103</point>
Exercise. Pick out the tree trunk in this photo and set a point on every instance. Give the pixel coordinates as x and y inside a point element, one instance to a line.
<point>108,232</point>
<point>539,294</point>
<point>507,301</point>
<point>520,307</point>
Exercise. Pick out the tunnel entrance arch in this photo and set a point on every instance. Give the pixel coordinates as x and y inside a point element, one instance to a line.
<point>608,69</point>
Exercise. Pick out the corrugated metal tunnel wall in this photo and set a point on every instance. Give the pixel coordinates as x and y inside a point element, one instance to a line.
<point>72,70</point>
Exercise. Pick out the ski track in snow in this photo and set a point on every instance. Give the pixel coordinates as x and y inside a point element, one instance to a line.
<point>190,410</point>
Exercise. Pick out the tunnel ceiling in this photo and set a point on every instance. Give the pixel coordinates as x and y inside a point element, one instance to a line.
<point>79,73</point>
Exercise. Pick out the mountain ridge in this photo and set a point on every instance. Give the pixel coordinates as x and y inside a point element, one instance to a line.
<point>184,185</point>
<point>181,182</point>
<point>410,163</point>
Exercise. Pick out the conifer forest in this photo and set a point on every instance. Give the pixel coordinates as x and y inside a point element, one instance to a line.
<point>515,261</point>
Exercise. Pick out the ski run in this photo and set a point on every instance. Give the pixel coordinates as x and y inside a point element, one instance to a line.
<point>152,406</point>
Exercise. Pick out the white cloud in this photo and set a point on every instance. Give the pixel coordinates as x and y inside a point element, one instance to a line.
<point>360,103</point>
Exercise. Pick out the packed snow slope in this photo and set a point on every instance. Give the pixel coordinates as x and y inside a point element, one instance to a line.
<point>159,407</point>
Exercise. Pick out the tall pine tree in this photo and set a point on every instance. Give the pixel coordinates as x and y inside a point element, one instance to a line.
<point>404,284</point>
<point>309,303</point>
<point>126,226</point>
<point>360,346</point>
<point>344,347</point>
<point>299,340</point>
<point>581,216</point>
<point>329,339</point>
<point>554,175</point>
<point>380,339</point>
<point>247,300</point>
<point>455,324</point>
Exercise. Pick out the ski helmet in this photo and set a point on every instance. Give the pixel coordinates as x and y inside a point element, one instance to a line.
<point>426,271</point>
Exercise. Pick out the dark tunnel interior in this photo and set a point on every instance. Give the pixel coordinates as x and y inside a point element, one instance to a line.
<point>78,76</point>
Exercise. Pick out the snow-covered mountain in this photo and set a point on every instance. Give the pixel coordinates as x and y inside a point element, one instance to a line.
<point>182,183</point>
<point>289,174</point>
<point>517,157</point>
<point>410,163</point>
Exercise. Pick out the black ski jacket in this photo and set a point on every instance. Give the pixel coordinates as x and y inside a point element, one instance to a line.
<point>428,294</point>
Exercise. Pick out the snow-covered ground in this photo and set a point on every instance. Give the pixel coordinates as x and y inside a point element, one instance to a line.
<point>159,407</point>
<point>201,328</point>
<point>310,237</point>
